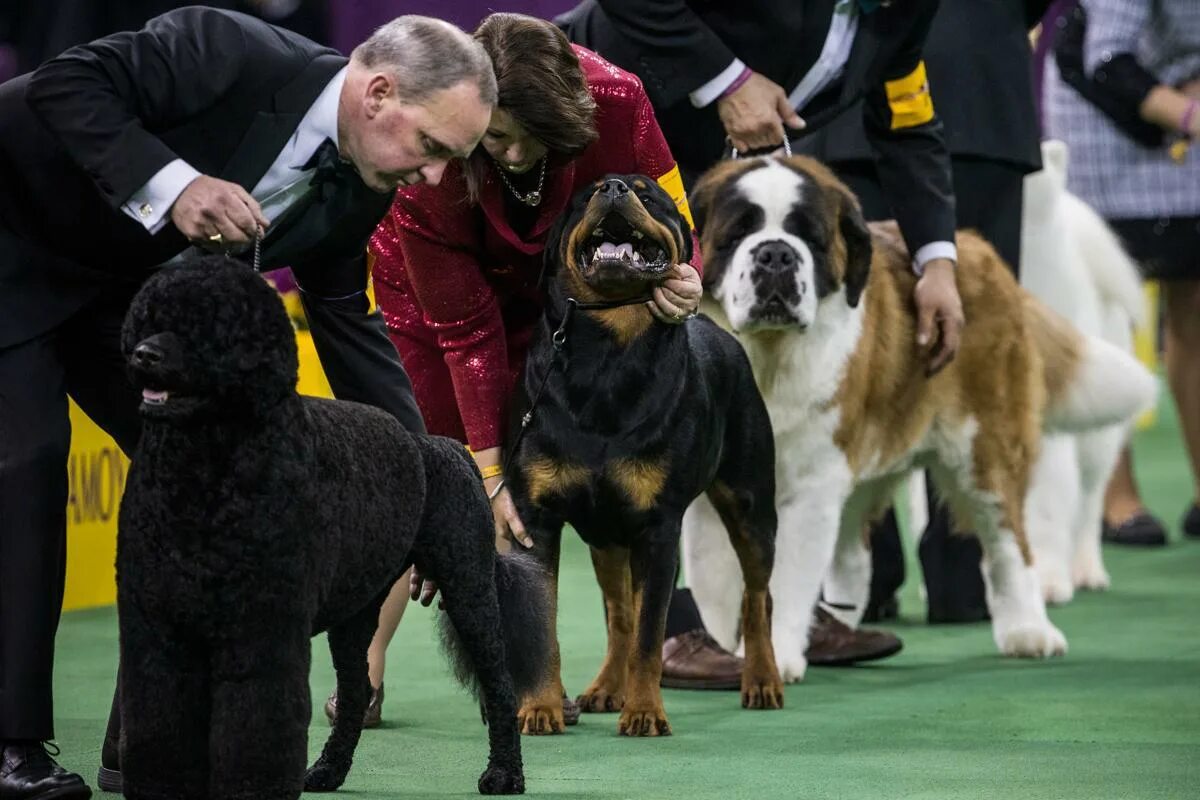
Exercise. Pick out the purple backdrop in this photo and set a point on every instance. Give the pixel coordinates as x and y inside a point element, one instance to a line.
<point>354,20</point>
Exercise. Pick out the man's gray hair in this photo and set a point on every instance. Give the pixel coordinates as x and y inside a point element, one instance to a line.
<point>426,55</point>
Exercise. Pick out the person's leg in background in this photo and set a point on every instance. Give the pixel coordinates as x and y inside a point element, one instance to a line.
<point>1181,300</point>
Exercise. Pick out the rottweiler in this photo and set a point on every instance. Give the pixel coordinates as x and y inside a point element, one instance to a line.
<point>626,421</point>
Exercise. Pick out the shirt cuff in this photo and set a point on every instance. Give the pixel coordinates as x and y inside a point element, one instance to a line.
<point>149,205</point>
<point>929,252</point>
<point>710,91</point>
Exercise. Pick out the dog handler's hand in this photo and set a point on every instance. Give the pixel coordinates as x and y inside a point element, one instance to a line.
<point>509,527</point>
<point>938,306</point>
<point>217,214</point>
<point>754,114</point>
<point>423,590</point>
<point>678,297</point>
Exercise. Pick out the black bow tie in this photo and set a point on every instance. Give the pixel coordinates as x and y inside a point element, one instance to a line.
<point>329,166</point>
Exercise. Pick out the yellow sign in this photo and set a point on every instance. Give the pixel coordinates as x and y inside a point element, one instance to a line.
<point>96,471</point>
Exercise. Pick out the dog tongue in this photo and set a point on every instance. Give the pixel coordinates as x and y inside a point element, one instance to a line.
<point>610,250</point>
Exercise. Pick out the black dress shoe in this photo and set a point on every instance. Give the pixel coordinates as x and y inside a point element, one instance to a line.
<point>110,780</point>
<point>27,772</point>
<point>1191,522</point>
<point>1140,530</point>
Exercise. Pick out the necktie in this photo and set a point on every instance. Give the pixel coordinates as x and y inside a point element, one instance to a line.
<point>330,169</point>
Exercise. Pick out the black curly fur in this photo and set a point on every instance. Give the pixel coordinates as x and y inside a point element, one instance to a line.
<point>521,588</point>
<point>254,518</point>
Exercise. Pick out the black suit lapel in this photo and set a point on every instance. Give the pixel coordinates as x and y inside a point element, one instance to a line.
<point>270,130</point>
<point>863,53</point>
<point>345,211</point>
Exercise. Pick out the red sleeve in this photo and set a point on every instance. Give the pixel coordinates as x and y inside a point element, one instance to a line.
<point>654,159</point>
<point>432,235</point>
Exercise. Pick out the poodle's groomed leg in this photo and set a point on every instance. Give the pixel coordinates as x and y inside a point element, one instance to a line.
<point>164,713</point>
<point>261,705</point>
<point>348,643</point>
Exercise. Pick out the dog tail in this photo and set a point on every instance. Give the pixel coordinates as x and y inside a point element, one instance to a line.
<point>522,587</point>
<point>1089,382</point>
<point>524,626</point>
<point>1115,275</point>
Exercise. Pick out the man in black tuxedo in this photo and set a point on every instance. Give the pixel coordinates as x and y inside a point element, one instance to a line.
<point>739,73</point>
<point>199,130</point>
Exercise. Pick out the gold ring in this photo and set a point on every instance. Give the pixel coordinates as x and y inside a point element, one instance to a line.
<point>216,237</point>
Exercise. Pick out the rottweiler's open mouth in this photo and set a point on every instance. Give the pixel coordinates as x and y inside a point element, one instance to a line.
<point>615,242</point>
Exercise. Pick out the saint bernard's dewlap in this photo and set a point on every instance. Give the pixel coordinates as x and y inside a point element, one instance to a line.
<point>822,303</point>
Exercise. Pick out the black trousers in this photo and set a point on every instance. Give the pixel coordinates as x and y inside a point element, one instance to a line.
<point>989,197</point>
<point>80,359</point>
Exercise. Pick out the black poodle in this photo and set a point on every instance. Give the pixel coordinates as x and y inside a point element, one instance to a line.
<point>254,518</point>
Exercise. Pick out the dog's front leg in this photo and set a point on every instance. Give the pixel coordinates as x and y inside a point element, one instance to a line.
<point>809,517</point>
<point>607,691</point>
<point>542,711</point>
<point>652,566</point>
<point>261,705</point>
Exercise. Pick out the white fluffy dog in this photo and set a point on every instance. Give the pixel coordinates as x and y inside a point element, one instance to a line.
<point>1073,263</point>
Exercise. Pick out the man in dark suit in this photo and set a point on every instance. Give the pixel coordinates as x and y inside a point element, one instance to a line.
<point>742,72</point>
<point>979,59</point>
<point>199,130</point>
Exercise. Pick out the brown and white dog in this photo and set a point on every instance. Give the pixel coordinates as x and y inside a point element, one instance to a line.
<point>822,304</point>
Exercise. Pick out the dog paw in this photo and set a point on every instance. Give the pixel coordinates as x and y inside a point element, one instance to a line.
<point>649,721</point>
<point>1057,587</point>
<point>598,698</point>
<point>324,777</point>
<point>502,780</point>
<point>790,658</point>
<point>541,719</point>
<point>1031,640</point>
<point>765,691</point>
<point>1091,575</point>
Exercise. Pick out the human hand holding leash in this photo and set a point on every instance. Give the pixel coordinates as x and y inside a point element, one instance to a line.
<point>678,297</point>
<point>217,215</point>
<point>754,114</point>
<point>938,306</point>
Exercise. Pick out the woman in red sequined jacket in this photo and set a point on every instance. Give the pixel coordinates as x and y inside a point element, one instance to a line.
<point>456,265</point>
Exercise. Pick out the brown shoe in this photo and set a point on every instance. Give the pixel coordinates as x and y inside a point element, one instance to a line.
<point>694,660</point>
<point>372,718</point>
<point>832,643</point>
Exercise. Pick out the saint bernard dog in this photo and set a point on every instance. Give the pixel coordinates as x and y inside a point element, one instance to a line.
<point>822,303</point>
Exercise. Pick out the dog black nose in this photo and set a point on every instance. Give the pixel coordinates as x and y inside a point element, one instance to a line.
<point>147,355</point>
<point>614,188</point>
<point>775,255</point>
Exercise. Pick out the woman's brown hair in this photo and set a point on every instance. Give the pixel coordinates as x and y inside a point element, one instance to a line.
<point>541,84</point>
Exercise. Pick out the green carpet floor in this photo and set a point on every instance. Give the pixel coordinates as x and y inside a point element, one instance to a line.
<point>1119,717</point>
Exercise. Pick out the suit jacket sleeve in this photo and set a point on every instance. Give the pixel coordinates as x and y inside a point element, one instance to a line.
<point>910,153</point>
<point>678,53</point>
<point>359,359</point>
<point>102,100</point>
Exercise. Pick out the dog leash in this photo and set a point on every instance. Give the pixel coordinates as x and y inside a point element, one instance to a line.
<point>558,341</point>
<point>733,151</point>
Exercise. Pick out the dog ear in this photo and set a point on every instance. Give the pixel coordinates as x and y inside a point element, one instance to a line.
<point>858,247</point>
<point>709,186</point>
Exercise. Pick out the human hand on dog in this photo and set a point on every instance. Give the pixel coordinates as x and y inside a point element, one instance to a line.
<point>210,207</point>
<point>754,114</point>
<point>423,590</point>
<point>678,297</point>
<point>938,306</point>
<point>509,527</point>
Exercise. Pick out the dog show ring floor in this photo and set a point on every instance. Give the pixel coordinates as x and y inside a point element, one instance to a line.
<point>1118,717</point>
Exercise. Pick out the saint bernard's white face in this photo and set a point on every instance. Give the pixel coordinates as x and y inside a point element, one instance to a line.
<point>779,237</point>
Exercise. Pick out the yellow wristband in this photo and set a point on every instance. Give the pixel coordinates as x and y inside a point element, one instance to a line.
<point>492,471</point>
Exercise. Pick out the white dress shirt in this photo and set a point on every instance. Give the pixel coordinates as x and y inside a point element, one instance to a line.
<point>828,68</point>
